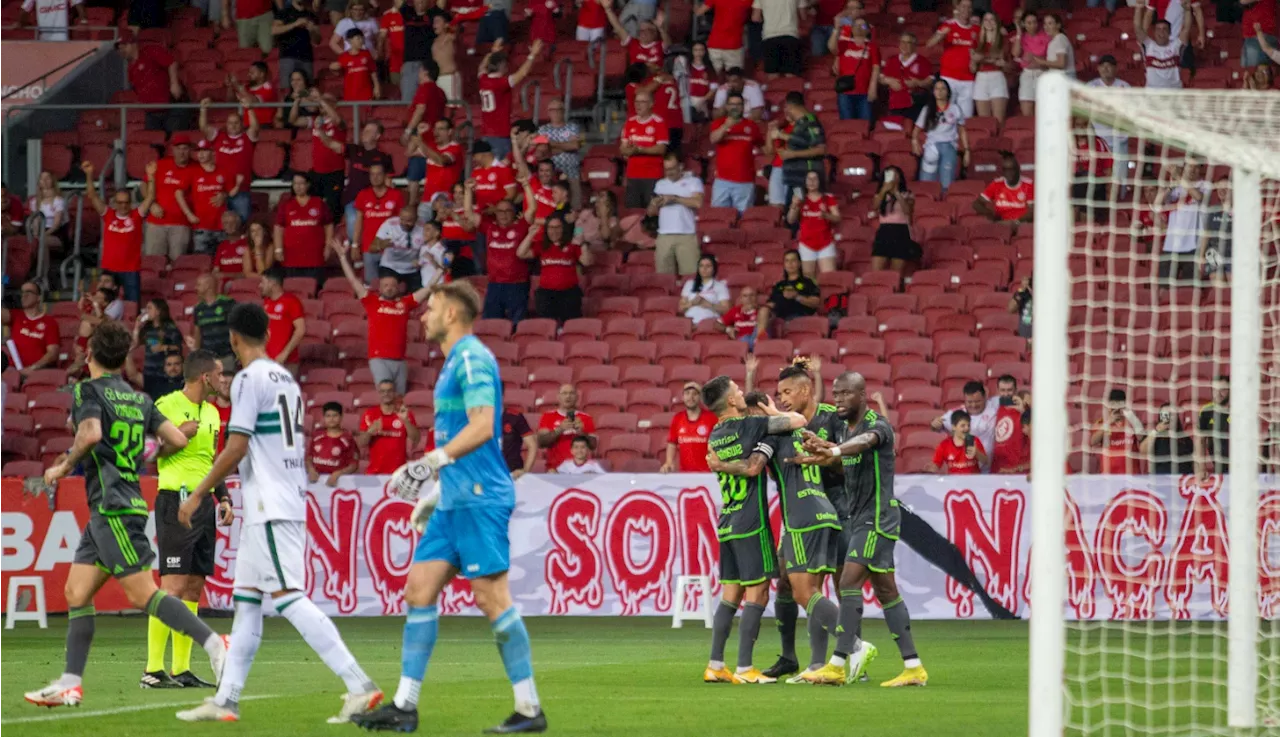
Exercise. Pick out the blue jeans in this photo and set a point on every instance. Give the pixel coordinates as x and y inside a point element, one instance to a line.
<point>501,147</point>
<point>241,206</point>
<point>738,195</point>
<point>509,301</point>
<point>1111,4</point>
<point>408,79</point>
<point>130,285</point>
<point>493,26</point>
<point>1251,53</point>
<point>777,189</point>
<point>818,39</point>
<point>948,159</point>
<point>854,107</point>
<point>349,215</point>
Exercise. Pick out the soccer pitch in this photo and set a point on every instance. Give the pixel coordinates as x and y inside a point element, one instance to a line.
<point>597,676</point>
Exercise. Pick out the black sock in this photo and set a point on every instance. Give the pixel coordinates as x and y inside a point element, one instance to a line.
<point>721,625</point>
<point>786,611</point>
<point>823,616</point>
<point>850,622</point>
<point>899,623</point>
<point>748,631</point>
<point>175,614</point>
<point>79,638</point>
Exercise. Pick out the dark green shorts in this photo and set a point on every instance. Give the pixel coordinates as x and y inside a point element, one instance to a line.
<point>870,548</point>
<point>117,544</point>
<point>813,551</point>
<point>748,561</point>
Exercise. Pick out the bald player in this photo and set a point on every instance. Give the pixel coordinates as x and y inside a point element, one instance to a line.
<point>865,452</point>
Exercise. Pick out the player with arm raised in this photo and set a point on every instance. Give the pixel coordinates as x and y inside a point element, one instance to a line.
<point>469,516</point>
<point>747,550</point>
<point>866,455</point>
<point>266,440</point>
<point>112,421</point>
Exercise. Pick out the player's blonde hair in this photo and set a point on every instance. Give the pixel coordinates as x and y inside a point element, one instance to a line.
<point>462,294</point>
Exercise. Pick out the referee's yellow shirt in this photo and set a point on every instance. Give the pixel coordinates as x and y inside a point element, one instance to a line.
<point>188,467</point>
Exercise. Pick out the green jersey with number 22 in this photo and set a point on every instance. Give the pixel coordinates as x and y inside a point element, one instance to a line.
<point>112,466</point>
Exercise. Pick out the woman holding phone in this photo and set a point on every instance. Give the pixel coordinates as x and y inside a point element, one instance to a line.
<point>895,206</point>
<point>815,211</point>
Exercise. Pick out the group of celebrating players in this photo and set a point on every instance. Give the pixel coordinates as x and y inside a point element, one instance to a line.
<point>833,466</point>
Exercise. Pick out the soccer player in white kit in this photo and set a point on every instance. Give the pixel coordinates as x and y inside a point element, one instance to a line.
<point>266,440</point>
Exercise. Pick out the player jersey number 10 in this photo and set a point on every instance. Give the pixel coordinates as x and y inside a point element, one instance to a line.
<point>488,103</point>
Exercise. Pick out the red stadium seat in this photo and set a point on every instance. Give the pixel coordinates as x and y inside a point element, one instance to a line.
<point>624,447</point>
<point>633,353</point>
<point>596,377</point>
<point>599,401</point>
<point>587,353</point>
<point>649,401</point>
<point>542,353</point>
<point>673,353</point>
<point>678,376</point>
<point>549,377</point>
<point>534,329</point>
<point>642,376</point>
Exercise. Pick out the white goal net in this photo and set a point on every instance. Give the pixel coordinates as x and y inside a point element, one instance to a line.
<point>1156,400</point>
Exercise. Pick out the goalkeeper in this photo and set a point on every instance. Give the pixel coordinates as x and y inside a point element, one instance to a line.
<point>467,533</point>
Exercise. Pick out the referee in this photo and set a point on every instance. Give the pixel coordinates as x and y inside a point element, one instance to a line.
<point>186,555</point>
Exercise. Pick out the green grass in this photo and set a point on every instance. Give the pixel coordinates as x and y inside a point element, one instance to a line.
<point>596,676</point>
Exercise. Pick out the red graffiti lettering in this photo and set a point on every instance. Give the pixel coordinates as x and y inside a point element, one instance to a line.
<point>334,546</point>
<point>1201,551</point>
<point>389,540</point>
<point>573,568</point>
<point>457,597</point>
<point>994,544</point>
<point>1131,587</point>
<point>1268,573</point>
<point>219,586</point>
<point>1080,569</point>
<point>699,541</point>
<point>641,574</point>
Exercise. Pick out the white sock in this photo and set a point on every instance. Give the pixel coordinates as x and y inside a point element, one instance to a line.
<point>246,636</point>
<point>407,693</point>
<point>320,633</point>
<point>70,680</point>
<point>744,670</point>
<point>837,660</point>
<point>526,697</point>
<point>715,664</point>
<point>911,663</point>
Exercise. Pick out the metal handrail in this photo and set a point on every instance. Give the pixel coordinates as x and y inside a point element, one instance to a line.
<point>13,92</point>
<point>35,234</point>
<point>536,84</point>
<point>568,83</point>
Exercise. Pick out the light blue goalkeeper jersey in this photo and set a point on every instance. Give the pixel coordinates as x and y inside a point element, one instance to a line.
<point>468,380</point>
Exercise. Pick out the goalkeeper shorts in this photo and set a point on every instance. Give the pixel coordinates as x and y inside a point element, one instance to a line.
<point>471,539</point>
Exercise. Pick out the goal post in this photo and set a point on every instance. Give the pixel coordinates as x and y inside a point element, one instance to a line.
<point>1145,572</point>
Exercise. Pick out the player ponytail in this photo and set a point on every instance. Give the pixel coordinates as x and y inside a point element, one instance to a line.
<point>800,368</point>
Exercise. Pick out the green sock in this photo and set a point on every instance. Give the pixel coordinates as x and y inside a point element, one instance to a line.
<point>157,639</point>
<point>182,644</point>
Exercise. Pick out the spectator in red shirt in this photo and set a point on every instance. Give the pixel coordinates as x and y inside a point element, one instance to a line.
<point>302,231</point>
<point>747,320</point>
<point>690,431</point>
<point>121,250</point>
<point>211,187</point>
<point>909,77</point>
<point>168,231</point>
<point>435,162</point>
<point>724,42</point>
<point>496,91</point>
<point>376,204</point>
<point>287,321</point>
<point>388,316</point>
<point>153,76</point>
<point>1010,198</point>
<point>644,39</point>
<point>559,293</point>
<point>1012,452</point>
<point>991,59</point>
<point>591,21</point>
<point>1259,26</point>
<point>361,157</point>
<point>391,42</point>
<point>558,427</point>
<point>429,102</point>
<point>507,295</point>
<point>857,63</point>
<point>334,453</point>
<point>328,166</point>
<point>32,332</point>
<point>960,454</point>
<point>542,21</point>
<point>259,90</point>
<point>233,251</point>
<point>736,139</point>
<point>958,36</point>
<point>644,142</point>
<point>388,431</point>
<point>14,215</point>
<point>1118,433</point>
<point>815,213</point>
<point>233,152</point>
<point>360,78</point>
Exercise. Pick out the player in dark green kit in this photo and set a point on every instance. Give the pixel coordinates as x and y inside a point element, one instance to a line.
<point>865,453</point>
<point>747,561</point>
<point>112,420</point>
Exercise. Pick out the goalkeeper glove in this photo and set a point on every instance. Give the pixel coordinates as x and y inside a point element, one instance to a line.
<point>423,509</point>
<point>409,479</point>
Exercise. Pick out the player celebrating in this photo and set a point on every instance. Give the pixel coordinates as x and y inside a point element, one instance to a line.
<point>186,554</point>
<point>747,548</point>
<point>866,454</point>
<point>265,439</point>
<point>468,532</point>
<point>112,422</point>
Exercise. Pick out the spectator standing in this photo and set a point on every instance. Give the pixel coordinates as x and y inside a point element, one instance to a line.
<point>507,295</point>
<point>359,70</point>
<point>644,144</point>
<point>387,313</point>
<point>158,335</point>
<point>361,158</point>
<point>597,227</point>
<point>497,87</point>
<point>1161,50</point>
<point>31,334</point>
<point>52,17</point>
<point>1185,193</point>
<point>328,166</point>
<point>1117,433</point>
<point>580,460</point>
<point>1060,56</point>
<point>1214,254</point>
<point>517,436</point>
<point>444,54</point>
<point>1009,199</point>
<point>806,148</point>
<point>959,37</point>
<point>1168,449</point>
<point>735,138</point>
<point>419,35</point>
<point>229,258</point>
<point>122,225</point>
<point>168,381</point>
<point>495,23</point>
<point>297,31</point>
<point>702,78</point>
<point>559,293</point>
<point>542,16</point>
<point>591,21</point>
<point>736,82</point>
<point>980,412</point>
<point>373,206</point>
<point>704,297</point>
<point>747,320</point>
<point>434,259</point>
<point>429,102</point>
<point>780,36</point>
<point>356,19</point>
<point>492,183</point>
<point>689,433</point>
<point>794,295</point>
<point>391,41</point>
<point>962,453</point>
<point>565,140</point>
<point>945,145</point>
<point>1020,305</point>
<point>211,187</point>
<point>857,66</point>
<point>209,315</point>
<point>989,60</point>
<point>1030,45</point>
<point>1117,141</point>
<point>253,22</point>
<point>895,208</point>
<point>677,198</point>
<point>908,77</point>
<point>558,427</point>
<point>643,38</point>
<point>1012,450</point>
<point>334,452</point>
<point>1214,425</point>
<point>301,232</point>
<point>388,431</point>
<point>168,232</point>
<point>233,151</point>
<point>398,242</point>
<point>287,321</point>
<point>439,166</point>
<point>814,212</point>
<point>725,41</point>
<point>259,90</point>
<point>153,77</point>
<point>1260,28</point>
<point>828,17</point>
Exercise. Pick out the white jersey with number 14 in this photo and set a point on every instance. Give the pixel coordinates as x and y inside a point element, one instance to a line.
<point>266,405</point>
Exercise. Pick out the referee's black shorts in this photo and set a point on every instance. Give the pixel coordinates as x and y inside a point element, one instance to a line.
<point>183,551</point>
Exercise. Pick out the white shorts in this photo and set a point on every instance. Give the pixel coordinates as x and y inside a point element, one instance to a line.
<point>962,94</point>
<point>451,85</point>
<point>590,34</point>
<point>808,254</point>
<point>272,557</point>
<point>990,86</point>
<point>725,59</point>
<point>1027,84</point>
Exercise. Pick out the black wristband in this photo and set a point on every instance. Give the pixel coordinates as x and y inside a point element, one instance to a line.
<point>221,494</point>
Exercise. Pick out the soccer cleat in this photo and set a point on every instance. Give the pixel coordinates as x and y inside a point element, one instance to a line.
<point>799,678</point>
<point>910,677</point>
<point>859,659</point>
<point>56,694</point>
<point>518,722</point>
<point>784,667</point>
<point>187,679</point>
<point>356,703</point>
<point>158,679</point>
<point>827,675</point>
<point>388,718</point>
<point>209,711</point>
<point>752,676</point>
<point>724,675</point>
